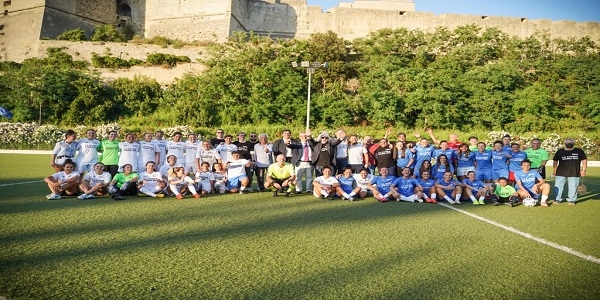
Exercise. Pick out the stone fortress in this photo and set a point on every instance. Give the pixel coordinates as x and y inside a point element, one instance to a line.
<point>25,23</point>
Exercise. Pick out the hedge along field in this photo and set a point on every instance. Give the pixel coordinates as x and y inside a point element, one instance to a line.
<point>261,247</point>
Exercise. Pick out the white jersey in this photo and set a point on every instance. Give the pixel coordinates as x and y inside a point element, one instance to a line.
<point>204,179</point>
<point>236,168</point>
<point>162,149</point>
<point>62,176</point>
<point>191,150</point>
<point>211,156</point>
<point>87,151</point>
<point>152,179</point>
<point>326,181</point>
<point>177,149</point>
<point>94,178</point>
<point>220,177</point>
<point>263,155</point>
<point>63,151</point>
<point>225,152</point>
<point>363,183</point>
<point>148,152</point>
<point>128,153</point>
<point>356,154</point>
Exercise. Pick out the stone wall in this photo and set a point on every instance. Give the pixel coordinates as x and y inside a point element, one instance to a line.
<point>272,18</point>
<point>21,25</point>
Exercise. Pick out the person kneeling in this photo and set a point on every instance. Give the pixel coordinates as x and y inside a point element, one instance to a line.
<point>281,175</point>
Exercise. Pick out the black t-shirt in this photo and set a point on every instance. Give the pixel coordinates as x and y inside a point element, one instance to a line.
<point>244,149</point>
<point>216,141</point>
<point>385,157</point>
<point>324,156</point>
<point>569,162</point>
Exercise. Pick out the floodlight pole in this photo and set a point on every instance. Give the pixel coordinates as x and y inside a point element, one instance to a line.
<point>310,69</point>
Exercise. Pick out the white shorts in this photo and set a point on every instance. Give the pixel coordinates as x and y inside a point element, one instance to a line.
<point>462,171</point>
<point>85,167</point>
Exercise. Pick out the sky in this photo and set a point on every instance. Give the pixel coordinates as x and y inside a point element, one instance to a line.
<point>574,10</point>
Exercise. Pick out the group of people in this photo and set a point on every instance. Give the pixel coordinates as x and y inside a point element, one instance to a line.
<point>342,167</point>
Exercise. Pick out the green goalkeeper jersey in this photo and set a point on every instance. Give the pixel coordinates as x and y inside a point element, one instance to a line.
<point>277,172</point>
<point>504,191</point>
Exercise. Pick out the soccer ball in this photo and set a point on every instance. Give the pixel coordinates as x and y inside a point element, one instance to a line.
<point>529,202</point>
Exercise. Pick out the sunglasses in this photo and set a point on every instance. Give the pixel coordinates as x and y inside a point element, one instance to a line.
<point>324,138</point>
<point>252,136</point>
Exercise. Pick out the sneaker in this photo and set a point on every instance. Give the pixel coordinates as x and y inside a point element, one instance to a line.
<point>571,203</point>
<point>428,200</point>
<point>160,195</point>
<point>544,204</point>
<point>90,196</point>
<point>308,191</point>
<point>351,198</point>
<point>196,196</point>
<point>420,200</point>
<point>82,196</point>
<point>298,192</point>
<point>275,194</point>
<point>482,202</point>
<point>495,203</point>
<point>451,202</point>
<point>49,195</point>
<point>322,196</point>
<point>54,197</point>
<point>433,201</point>
<point>179,196</point>
<point>509,204</point>
<point>475,202</point>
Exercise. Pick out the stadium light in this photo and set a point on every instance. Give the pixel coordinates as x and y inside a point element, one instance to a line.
<point>310,67</point>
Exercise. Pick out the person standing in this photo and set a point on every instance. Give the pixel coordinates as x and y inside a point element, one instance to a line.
<point>281,146</point>
<point>385,157</point>
<point>324,153</point>
<point>162,148</point>
<point>538,157</point>
<point>207,154</point>
<point>64,150</point>
<point>245,149</point>
<point>569,165</point>
<point>301,158</point>
<point>128,153</point>
<point>263,159</point>
<point>110,153</point>
<point>218,139</point>
<point>149,151</point>
<point>341,153</point>
<point>226,149</point>
<point>177,147</point>
<point>87,152</point>
<point>191,149</point>
<point>358,158</point>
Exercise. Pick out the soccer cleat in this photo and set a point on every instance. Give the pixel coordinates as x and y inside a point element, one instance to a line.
<point>49,195</point>
<point>351,198</point>
<point>451,201</point>
<point>475,202</point>
<point>509,204</point>
<point>197,196</point>
<point>160,195</point>
<point>54,197</point>
<point>82,196</point>
<point>90,196</point>
<point>179,196</point>
<point>481,202</point>
<point>428,200</point>
<point>287,194</point>
<point>433,201</point>
<point>544,204</point>
<point>275,193</point>
<point>457,202</point>
<point>420,200</point>
<point>322,196</point>
<point>495,203</point>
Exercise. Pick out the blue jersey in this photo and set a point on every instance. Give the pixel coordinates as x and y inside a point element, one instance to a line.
<point>466,160</point>
<point>347,184</point>
<point>484,160</point>
<point>452,183</point>
<point>383,184</point>
<point>473,185</point>
<point>527,179</point>
<point>427,184</point>
<point>406,186</point>
<point>499,160</point>
<point>515,161</point>
<point>451,154</point>
<point>402,162</point>
<point>422,154</point>
<point>437,172</point>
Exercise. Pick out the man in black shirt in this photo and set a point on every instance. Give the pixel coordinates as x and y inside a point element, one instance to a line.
<point>324,152</point>
<point>385,157</point>
<point>569,164</point>
<point>218,139</point>
<point>244,148</point>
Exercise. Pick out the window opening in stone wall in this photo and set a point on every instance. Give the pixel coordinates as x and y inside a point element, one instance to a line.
<point>2,27</point>
<point>123,9</point>
<point>6,12</point>
<point>402,13</point>
<point>523,19</point>
<point>7,2</point>
<point>484,17</point>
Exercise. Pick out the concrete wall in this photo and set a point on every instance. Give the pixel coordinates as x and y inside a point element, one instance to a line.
<point>188,19</point>
<point>21,26</point>
<point>273,18</point>
<point>104,11</point>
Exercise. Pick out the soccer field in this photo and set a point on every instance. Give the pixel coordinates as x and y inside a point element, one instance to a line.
<point>256,246</point>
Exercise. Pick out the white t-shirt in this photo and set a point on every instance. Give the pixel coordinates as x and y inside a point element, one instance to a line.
<point>62,149</point>
<point>162,149</point>
<point>263,158</point>
<point>236,168</point>
<point>204,179</point>
<point>326,181</point>
<point>152,179</point>
<point>177,149</point>
<point>211,156</point>
<point>225,152</point>
<point>87,151</point>
<point>128,153</point>
<point>164,171</point>
<point>148,152</point>
<point>356,154</point>
<point>342,150</point>
<point>94,178</point>
<point>363,183</point>
<point>191,150</point>
<point>62,176</point>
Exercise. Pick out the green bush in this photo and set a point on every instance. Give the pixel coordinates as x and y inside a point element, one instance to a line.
<point>157,59</point>
<point>107,61</point>
<point>73,35</point>
<point>107,33</point>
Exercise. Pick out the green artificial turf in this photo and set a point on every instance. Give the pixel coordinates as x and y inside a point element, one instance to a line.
<point>256,246</point>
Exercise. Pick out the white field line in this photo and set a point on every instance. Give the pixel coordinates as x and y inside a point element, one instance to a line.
<point>17,183</point>
<point>527,235</point>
